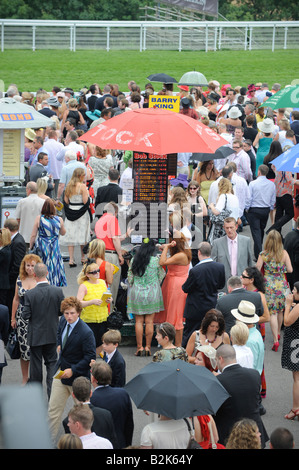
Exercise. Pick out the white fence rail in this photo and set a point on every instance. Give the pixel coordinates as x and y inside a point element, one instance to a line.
<point>148,35</point>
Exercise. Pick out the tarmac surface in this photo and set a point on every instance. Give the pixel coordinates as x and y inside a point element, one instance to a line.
<point>277,403</point>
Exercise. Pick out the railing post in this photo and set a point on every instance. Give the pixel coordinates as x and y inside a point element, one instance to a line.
<point>207,38</point>
<point>144,38</point>
<point>74,38</point>
<point>273,38</point>
<point>250,37</point>
<point>33,38</point>
<point>108,39</point>
<point>220,38</point>
<point>140,39</point>
<point>285,45</point>
<point>2,36</point>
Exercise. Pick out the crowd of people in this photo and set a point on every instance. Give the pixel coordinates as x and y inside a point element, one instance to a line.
<point>205,303</point>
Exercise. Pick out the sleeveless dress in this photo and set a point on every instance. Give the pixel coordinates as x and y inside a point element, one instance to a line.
<point>22,325</point>
<point>263,150</point>
<point>145,294</point>
<point>94,313</point>
<point>77,231</point>
<point>289,355</point>
<point>47,242</point>
<point>173,296</point>
<point>276,285</point>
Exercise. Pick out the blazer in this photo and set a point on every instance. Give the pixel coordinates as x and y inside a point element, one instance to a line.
<point>42,309</point>
<point>18,251</point>
<point>118,366</point>
<point>108,193</point>
<point>202,285</point>
<point>102,425</point>
<point>220,253</point>
<point>243,385</point>
<point>118,402</point>
<point>231,301</point>
<point>38,171</point>
<point>5,257</point>
<point>79,350</point>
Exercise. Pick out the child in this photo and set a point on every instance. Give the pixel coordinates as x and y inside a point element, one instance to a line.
<point>111,339</point>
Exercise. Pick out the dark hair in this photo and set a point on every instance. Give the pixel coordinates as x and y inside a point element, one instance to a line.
<point>48,209</point>
<point>258,279</point>
<point>210,316</point>
<point>282,438</point>
<point>41,156</point>
<point>274,151</point>
<point>142,257</point>
<point>166,329</point>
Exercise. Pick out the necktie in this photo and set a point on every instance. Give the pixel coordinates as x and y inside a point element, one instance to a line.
<point>233,256</point>
<point>66,335</point>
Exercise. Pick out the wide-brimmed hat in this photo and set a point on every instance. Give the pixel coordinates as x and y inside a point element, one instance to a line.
<point>68,90</point>
<point>251,87</point>
<point>183,87</point>
<point>213,96</point>
<point>93,115</point>
<point>245,312</point>
<point>53,101</point>
<point>234,112</point>
<point>181,179</point>
<point>266,126</point>
<point>30,134</point>
<point>209,352</point>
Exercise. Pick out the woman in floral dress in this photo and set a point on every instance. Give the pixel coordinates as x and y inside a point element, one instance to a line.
<point>275,263</point>
<point>144,294</point>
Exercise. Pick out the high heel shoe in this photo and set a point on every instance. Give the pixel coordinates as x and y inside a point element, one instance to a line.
<point>275,346</point>
<point>139,352</point>
<point>295,415</point>
<point>147,352</point>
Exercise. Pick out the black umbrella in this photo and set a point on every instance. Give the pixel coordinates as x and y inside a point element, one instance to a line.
<point>221,152</point>
<point>176,389</point>
<point>161,77</point>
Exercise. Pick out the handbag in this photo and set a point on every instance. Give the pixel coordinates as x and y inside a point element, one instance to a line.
<point>115,320</point>
<point>193,444</point>
<point>12,346</point>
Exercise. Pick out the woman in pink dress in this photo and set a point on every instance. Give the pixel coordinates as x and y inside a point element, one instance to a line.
<point>178,264</point>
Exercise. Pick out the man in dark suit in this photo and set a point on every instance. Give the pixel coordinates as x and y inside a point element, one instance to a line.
<point>114,399</point>
<point>18,251</point>
<point>99,104</point>
<point>243,385</point>
<point>42,309</point>
<point>39,171</point>
<point>236,293</point>
<point>110,192</point>
<point>77,348</point>
<point>202,286</point>
<point>103,424</point>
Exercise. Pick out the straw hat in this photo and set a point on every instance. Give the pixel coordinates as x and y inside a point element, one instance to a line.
<point>30,134</point>
<point>245,312</point>
<point>266,126</point>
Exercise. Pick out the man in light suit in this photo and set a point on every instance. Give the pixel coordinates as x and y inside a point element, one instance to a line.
<point>77,348</point>
<point>202,286</point>
<point>114,399</point>
<point>243,385</point>
<point>233,250</point>
<point>42,309</point>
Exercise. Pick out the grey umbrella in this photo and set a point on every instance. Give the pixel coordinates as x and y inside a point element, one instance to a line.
<point>16,115</point>
<point>176,389</point>
<point>162,78</point>
<point>221,152</point>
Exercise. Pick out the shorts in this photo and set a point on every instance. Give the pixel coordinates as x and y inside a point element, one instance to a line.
<point>98,330</point>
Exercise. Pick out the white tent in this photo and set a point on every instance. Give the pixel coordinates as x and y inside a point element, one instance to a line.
<point>16,115</point>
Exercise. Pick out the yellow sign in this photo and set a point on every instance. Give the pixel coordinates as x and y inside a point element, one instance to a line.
<point>172,103</point>
<point>11,152</point>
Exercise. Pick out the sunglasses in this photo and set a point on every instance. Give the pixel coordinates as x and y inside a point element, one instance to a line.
<point>193,189</point>
<point>245,277</point>
<point>94,272</point>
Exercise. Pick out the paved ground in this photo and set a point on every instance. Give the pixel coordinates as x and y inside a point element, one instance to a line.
<point>279,381</point>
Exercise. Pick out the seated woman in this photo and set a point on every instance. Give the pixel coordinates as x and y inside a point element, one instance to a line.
<point>165,336</point>
<point>212,332</point>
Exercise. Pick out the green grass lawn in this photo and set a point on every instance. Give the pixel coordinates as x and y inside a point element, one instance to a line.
<point>32,70</point>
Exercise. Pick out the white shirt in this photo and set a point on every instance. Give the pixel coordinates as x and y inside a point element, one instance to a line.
<point>242,160</point>
<point>244,356</point>
<point>232,205</point>
<point>71,146</point>
<point>53,148</point>
<point>92,441</point>
<point>169,434</point>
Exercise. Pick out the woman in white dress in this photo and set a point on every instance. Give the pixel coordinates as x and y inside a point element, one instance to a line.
<point>77,213</point>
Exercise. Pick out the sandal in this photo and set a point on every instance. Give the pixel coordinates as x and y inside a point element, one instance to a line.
<point>139,352</point>
<point>295,415</point>
<point>72,265</point>
<point>147,351</point>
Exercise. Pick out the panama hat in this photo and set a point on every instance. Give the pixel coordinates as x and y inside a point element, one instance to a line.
<point>266,126</point>
<point>30,134</point>
<point>234,112</point>
<point>245,312</point>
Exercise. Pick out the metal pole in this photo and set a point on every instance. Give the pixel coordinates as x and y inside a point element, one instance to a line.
<point>108,39</point>
<point>71,38</point>
<point>74,38</point>
<point>33,38</point>
<point>285,46</point>
<point>140,39</point>
<point>207,39</point>
<point>250,37</point>
<point>245,40</point>
<point>2,36</point>
<point>273,38</point>
<point>180,39</point>
<point>220,38</point>
<point>144,38</point>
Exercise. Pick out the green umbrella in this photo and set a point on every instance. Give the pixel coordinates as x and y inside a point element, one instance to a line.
<point>286,98</point>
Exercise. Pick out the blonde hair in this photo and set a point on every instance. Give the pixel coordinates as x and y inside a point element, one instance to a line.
<point>96,249</point>
<point>273,248</point>
<point>72,184</point>
<point>88,266</point>
<point>42,186</point>
<point>225,186</point>
<point>239,333</point>
<point>5,237</point>
<point>244,435</point>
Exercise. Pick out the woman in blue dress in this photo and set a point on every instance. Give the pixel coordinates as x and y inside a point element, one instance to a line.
<point>44,238</point>
<point>263,140</point>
